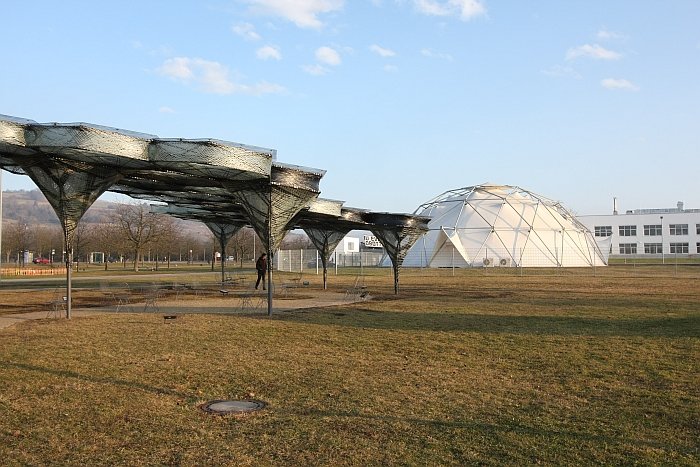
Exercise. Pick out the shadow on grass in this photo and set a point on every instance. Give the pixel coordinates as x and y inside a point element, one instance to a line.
<point>100,380</point>
<point>508,324</point>
<point>505,427</point>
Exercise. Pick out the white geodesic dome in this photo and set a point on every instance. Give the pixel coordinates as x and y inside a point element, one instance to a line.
<point>502,226</point>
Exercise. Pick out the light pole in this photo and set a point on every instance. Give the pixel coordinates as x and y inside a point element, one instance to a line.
<point>663,259</point>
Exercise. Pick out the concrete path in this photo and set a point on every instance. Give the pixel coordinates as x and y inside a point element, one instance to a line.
<point>250,303</point>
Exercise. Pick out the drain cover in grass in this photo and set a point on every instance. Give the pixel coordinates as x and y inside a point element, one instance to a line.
<point>225,407</point>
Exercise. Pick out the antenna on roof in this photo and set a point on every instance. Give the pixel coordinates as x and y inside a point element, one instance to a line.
<point>614,206</point>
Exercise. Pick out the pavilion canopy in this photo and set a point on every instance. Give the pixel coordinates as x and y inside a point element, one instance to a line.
<point>218,182</point>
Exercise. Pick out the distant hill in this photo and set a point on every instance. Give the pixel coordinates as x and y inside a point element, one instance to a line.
<point>33,208</point>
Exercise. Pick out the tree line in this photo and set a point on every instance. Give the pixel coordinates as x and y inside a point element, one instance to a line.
<point>130,237</point>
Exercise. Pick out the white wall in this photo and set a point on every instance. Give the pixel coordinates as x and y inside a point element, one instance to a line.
<point>692,219</point>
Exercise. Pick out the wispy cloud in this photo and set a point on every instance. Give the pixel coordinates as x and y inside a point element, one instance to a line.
<point>381,51</point>
<point>246,31</point>
<point>594,51</point>
<point>622,84</point>
<point>268,52</point>
<point>605,35</point>
<point>560,71</point>
<point>433,54</point>
<point>166,110</point>
<point>303,13</point>
<point>328,56</point>
<point>316,70</point>
<point>464,9</point>
<point>211,77</point>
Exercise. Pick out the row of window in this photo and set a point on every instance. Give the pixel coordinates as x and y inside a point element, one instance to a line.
<point>656,248</point>
<point>650,230</point>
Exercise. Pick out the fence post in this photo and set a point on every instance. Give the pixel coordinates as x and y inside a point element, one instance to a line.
<point>521,262</point>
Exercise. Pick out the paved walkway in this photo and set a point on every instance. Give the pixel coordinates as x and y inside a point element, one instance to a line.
<point>238,303</point>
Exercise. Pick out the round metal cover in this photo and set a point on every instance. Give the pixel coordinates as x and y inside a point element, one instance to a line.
<point>232,406</point>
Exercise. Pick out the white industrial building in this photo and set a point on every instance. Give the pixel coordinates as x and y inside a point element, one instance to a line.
<point>492,225</point>
<point>648,233</point>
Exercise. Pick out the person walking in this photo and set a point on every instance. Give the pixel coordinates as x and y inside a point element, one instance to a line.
<point>261,267</point>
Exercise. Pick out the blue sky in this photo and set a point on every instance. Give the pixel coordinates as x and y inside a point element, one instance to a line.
<point>399,100</point>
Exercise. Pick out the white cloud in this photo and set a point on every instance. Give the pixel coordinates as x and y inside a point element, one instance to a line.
<point>316,70</point>
<point>623,84</point>
<point>263,88</point>
<point>303,13</point>
<point>433,54</point>
<point>465,9</point>
<point>268,52</point>
<point>561,71</point>
<point>211,77</point>
<point>594,51</point>
<point>246,31</point>
<point>381,51</point>
<point>606,35</point>
<point>328,56</point>
<point>166,110</point>
<point>177,68</point>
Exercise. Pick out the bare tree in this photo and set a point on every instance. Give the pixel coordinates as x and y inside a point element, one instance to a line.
<point>84,240</point>
<point>109,239</point>
<point>167,239</point>
<point>140,227</point>
<point>297,241</point>
<point>19,238</point>
<point>241,244</point>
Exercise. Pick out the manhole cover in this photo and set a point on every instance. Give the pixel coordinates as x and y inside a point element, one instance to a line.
<point>226,407</point>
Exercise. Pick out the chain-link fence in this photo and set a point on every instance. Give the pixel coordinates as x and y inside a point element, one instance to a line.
<point>310,260</point>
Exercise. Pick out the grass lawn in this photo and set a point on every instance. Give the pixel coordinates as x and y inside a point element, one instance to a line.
<point>471,368</point>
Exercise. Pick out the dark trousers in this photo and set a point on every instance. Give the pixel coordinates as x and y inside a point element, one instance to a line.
<point>261,277</point>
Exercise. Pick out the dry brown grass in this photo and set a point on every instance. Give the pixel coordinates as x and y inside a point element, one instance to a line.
<point>476,368</point>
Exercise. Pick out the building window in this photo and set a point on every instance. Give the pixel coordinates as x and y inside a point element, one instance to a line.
<point>697,229</point>
<point>678,229</point>
<point>652,230</point>
<point>698,248</point>
<point>629,248</point>
<point>603,230</point>
<point>653,248</point>
<point>679,248</point>
<point>628,230</point>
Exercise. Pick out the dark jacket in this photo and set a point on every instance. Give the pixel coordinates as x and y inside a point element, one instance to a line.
<point>261,264</point>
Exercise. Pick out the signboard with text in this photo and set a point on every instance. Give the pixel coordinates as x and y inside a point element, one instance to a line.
<point>370,241</point>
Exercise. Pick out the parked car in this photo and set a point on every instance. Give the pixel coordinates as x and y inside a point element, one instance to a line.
<point>42,260</point>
